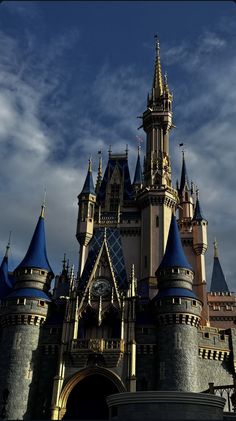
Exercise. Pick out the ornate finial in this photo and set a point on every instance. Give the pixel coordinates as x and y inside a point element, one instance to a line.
<point>100,311</point>
<point>132,282</point>
<point>72,272</point>
<point>43,204</point>
<point>67,265</point>
<point>157,44</point>
<point>109,151</point>
<point>192,187</point>
<point>215,248</point>
<point>126,151</point>
<point>64,262</point>
<point>90,164</point>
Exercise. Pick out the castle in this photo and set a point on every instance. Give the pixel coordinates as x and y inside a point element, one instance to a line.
<point>138,315</point>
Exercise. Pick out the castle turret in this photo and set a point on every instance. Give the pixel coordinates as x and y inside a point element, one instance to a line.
<point>199,227</point>
<point>178,315</point>
<point>85,223</point>
<point>23,312</point>
<point>185,199</point>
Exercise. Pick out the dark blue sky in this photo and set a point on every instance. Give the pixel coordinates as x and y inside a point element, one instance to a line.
<point>73,78</point>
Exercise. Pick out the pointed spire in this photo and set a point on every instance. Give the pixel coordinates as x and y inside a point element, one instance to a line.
<point>218,281</point>
<point>157,80</point>
<point>138,176</point>
<point>36,256</point>
<point>184,177</point>
<point>197,211</point>
<point>88,184</point>
<point>174,254</point>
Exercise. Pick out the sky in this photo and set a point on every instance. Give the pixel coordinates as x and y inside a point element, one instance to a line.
<point>74,76</point>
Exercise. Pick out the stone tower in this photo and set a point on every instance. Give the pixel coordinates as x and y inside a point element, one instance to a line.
<point>23,313</point>
<point>178,313</point>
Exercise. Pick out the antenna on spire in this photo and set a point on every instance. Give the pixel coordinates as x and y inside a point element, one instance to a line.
<point>215,248</point>
<point>197,192</point>
<point>44,203</point>
<point>90,164</point>
<point>8,245</point>
<point>126,151</point>
<point>157,44</point>
<point>109,151</point>
<point>181,145</point>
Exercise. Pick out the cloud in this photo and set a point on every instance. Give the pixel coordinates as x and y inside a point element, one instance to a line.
<point>53,117</point>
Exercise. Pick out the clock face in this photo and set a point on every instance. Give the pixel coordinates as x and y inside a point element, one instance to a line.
<point>101,287</point>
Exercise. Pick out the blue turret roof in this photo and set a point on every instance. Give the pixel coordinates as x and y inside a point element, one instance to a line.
<point>33,293</point>
<point>184,177</point>
<point>138,175</point>
<point>5,282</point>
<point>88,184</point>
<point>36,256</point>
<point>174,255</point>
<point>198,212</point>
<point>218,282</point>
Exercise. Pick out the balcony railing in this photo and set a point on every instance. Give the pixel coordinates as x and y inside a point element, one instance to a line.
<point>98,345</point>
<point>228,392</point>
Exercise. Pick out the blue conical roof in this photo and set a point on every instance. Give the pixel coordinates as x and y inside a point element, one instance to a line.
<point>5,283</point>
<point>198,212</point>
<point>184,177</point>
<point>36,256</point>
<point>138,176</point>
<point>174,255</point>
<point>88,184</point>
<point>218,282</point>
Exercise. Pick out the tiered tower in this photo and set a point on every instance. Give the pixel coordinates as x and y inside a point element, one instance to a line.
<point>157,199</point>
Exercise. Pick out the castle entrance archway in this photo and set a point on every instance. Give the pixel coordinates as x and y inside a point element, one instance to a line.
<point>86,398</point>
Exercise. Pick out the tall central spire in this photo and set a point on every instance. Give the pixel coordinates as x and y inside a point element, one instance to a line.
<point>157,123</point>
<point>157,80</point>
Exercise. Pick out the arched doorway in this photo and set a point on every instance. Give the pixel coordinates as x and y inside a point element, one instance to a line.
<point>87,400</point>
